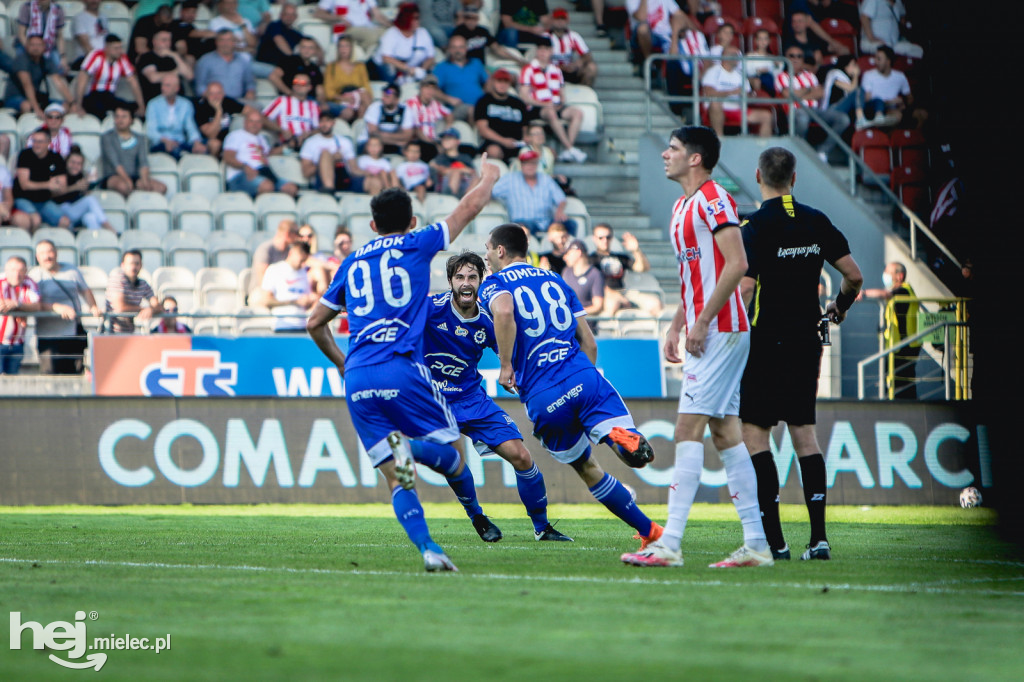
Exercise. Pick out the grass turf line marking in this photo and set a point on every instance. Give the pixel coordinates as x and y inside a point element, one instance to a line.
<point>908,588</point>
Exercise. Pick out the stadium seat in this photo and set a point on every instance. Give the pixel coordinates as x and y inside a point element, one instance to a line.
<point>733,8</point>
<point>909,148</point>
<point>911,186</point>
<point>265,93</point>
<point>244,283</point>
<point>234,212</point>
<point>228,250</point>
<point>9,127</point>
<point>192,213</point>
<point>469,241</point>
<point>217,290</point>
<point>120,18</point>
<point>321,212</point>
<point>85,130</point>
<point>260,326</point>
<point>769,9</point>
<point>164,168</point>
<point>272,208</point>
<point>184,249</point>
<point>483,224</point>
<point>96,279</point>
<point>148,243</point>
<point>177,282</point>
<point>115,207</point>
<point>576,210</point>
<point>353,204</point>
<point>467,134</point>
<point>62,238</point>
<point>15,241</point>
<point>288,168</point>
<point>752,25</point>
<point>439,271</point>
<point>712,23</point>
<point>26,125</point>
<point>585,98</point>
<point>99,249</point>
<point>138,126</point>
<point>359,227</point>
<point>149,212</point>
<point>643,281</point>
<point>317,30</point>
<point>439,206</point>
<point>343,129</point>
<point>201,174</point>
<point>502,166</point>
<point>873,148</point>
<point>842,32</point>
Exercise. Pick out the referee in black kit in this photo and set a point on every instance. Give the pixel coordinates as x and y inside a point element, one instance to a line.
<point>787,242</point>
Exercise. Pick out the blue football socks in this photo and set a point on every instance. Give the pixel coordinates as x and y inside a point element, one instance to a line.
<point>534,495</point>
<point>612,494</point>
<point>441,457</point>
<point>410,514</point>
<point>465,490</point>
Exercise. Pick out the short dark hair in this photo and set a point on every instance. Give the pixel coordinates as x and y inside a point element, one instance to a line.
<point>300,245</point>
<point>888,52</point>
<point>30,36</point>
<point>512,237</point>
<point>605,226</point>
<point>700,140</point>
<point>456,263</point>
<point>340,230</point>
<point>777,166</point>
<point>111,38</point>
<point>167,298</point>
<point>392,210</point>
<point>123,106</point>
<point>46,241</point>
<point>131,252</point>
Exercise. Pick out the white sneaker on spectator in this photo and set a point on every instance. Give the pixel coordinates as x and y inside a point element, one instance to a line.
<point>578,154</point>
<point>566,155</point>
<point>824,157</point>
<point>862,123</point>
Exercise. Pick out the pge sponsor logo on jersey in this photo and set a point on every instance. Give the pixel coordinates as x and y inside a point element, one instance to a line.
<point>447,364</point>
<point>689,254</point>
<point>189,373</point>
<point>566,397</point>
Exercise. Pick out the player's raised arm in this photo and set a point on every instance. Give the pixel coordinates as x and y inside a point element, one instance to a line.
<point>474,200</point>
<point>319,328</point>
<point>503,313</point>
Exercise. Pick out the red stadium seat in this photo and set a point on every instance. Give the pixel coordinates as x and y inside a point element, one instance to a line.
<point>842,32</point>
<point>910,185</point>
<point>873,148</point>
<point>866,62</point>
<point>754,24</point>
<point>768,9</point>
<point>711,25</point>
<point>733,8</point>
<point>909,148</point>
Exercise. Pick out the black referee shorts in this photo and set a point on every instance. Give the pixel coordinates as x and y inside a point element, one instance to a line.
<point>780,382</point>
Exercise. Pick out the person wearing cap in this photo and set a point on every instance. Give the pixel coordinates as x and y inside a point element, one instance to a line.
<point>171,123</point>
<point>429,116</point>
<point>302,62</point>
<point>584,279</point>
<point>224,65</point>
<point>570,52</point>
<point>532,198</point>
<point>461,80</point>
<point>479,38</point>
<point>329,160</point>
<point>523,21</point>
<point>60,136</point>
<point>540,87</point>
<point>389,120</point>
<point>406,50</point>
<point>27,88</point>
<point>499,117</point>
<point>160,64</point>
<point>454,169</point>
<point>293,117</point>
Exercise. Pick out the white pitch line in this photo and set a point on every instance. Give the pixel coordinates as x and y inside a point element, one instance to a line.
<point>907,588</point>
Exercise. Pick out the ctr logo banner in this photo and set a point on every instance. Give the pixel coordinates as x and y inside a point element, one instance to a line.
<point>292,366</point>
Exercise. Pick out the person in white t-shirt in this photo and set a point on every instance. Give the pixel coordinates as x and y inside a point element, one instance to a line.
<point>359,19</point>
<point>724,79</point>
<point>413,173</point>
<point>329,160</point>
<point>287,291</point>
<point>245,155</point>
<point>90,29</point>
<point>377,172</point>
<point>656,24</point>
<point>886,91</point>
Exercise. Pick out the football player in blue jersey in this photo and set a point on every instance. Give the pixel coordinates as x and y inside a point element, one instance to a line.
<point>399,415</point>
<point>549,360</point>
<point>457,332</point>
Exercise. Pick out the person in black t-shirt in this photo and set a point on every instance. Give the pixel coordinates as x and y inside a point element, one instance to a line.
<point>190,42</point>
<point>40,176</point>
<point>159,64</point>
<point>300,62</point>
<point>146,27</point>
<point>786,244</point>
<point>499,118</point>
<point>479,38</point>
<point>279,39</point>
<point>213,116</point>
<point>524,21</point>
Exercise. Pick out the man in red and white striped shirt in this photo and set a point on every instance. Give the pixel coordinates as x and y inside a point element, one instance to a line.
<point>570,51</point>
<point>428,116</point>
<point>294,117</point>
<point>101,71</point>
<point>712,260</point>
<point>17,294</point>
<point>808,91</point>
<point>540,87</point>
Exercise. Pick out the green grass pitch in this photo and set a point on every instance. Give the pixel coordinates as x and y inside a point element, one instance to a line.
<point>337,593</point>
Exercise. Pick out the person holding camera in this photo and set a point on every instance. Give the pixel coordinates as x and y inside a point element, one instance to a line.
<point>786,244</point>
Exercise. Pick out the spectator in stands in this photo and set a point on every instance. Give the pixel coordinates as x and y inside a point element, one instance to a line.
<point>413,173</point>
<point>540,86</point>
<point>329,160</point>
<point>881,23</point>
<point>228,18</point>
<point>725,36</point>
<point>44,18</point>
<point>18,294</point>
<point>258,14</point>
<point>286,289</point>
<point>614,265</point>
<point>308,235</point>
<point>303,62</point>
<point>531,198</point>
<point>139,43</point>
<point>724,79</point>
<point>161,64</point>
<point>128,293</point>
<point>584,279</point>
<point>171,123</point>
<point>190,42</point>
<point>213,116</point>
<point>293,117</point>
<point>377,172</point>
<point>342,248</point>
<point>28,87</point>
<point>76,204</point>
<point>800,30</point>
<point>170,324</point>
<point>536,139</point>
<point>125,158</point>
<point>842,91</point>
<point>886,90</point>
<point>523,21</point>
<point>245,154</point>
<point>40,177</point>
<point>8,214</point>
<point>429,116</point>
<point>807,92</point>
<point>227,67</point>
<point>389,120</point>
<point>97,82</point>
<point>60,340</point>
<point>454,169</point>
<point>570,52</point>
<point>901,322</point>
<point>762,72</point>
<point>479,37</point>
<point>90,29</point>
<point>280,38</point>
<point>460,80</point>
<point>406,50</point>
<point>347,90</point>
<point>657,26</point>
<point>558,237</point>
<point>60,137</point>
<point>274,250</point>
<point>499,117</point>
<point>359,19</point>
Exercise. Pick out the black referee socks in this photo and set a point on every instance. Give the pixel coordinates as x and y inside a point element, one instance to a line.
<point>768,497</point>
<point>812,471</point>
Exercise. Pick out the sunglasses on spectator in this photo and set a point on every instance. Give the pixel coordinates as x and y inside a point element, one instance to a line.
<point>305,235</point>
<point>602,236</point>
<point>170,311</point>
<point>795,55</point>
<point>55,116</point>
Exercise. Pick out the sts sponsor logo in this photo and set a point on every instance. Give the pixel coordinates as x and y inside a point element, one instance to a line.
<point>189,373</point>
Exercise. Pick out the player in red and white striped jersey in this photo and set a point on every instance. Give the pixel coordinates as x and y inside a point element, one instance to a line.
<point>712,260</point>
<point>17,293</point>
<point>570,52</point>
<point>294,117</point>
<point>540,86</point>
<point>102,70</point>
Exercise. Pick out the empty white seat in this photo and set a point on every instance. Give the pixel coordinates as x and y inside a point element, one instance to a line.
<point>228,250</point>
<point>164,168</point>
<point>321,212</point>
<point>192,213</point>
<point>576,210</point>
<point>149,212</point>
<point>177,282</point>
<point>352,204</point>
<point>201,174</point>
<point>96,279</point>
<point>15,241</point>
<point>288,168</point>
<point>99,248</point>
<point>115,207</point>
<point>272,208</point>
<point>85,130</point>
<point>235,212</point>
<point>217,290</point>
<point>184,249</point>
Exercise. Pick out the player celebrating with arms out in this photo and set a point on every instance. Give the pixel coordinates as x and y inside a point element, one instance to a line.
<point>457,332</point>
<point>548,358</point>
<point>395,409</point>
<point>706,236</point>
